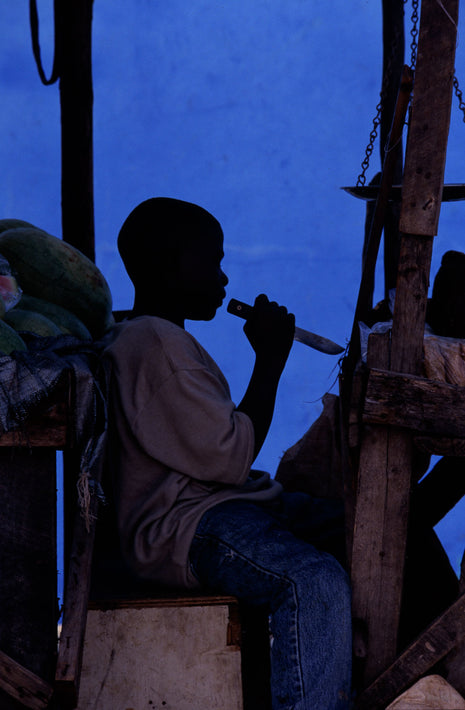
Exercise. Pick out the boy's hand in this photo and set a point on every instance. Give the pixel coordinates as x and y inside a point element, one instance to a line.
<point>270,331</point>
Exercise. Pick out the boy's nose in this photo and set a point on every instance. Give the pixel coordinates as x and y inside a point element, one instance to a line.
<point>224,278</point>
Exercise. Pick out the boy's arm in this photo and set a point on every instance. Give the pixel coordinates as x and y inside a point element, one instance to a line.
<point>270,331</point>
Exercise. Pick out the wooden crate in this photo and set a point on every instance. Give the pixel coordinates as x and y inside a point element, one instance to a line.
<point>179,654</point>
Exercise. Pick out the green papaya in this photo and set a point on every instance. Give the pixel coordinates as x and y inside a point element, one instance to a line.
<point>10,340</point>
<point>51,269</point>
<point>30,322</point>
<point>62,317</point>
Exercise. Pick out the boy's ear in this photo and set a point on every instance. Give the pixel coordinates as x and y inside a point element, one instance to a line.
<point>169,267</point>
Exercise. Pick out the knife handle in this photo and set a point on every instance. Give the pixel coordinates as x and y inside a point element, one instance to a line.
<point>243,310</point>
<point>238,308</point>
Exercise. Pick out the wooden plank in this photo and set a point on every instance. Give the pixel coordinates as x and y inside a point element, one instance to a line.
<point>379,549</point>
<point>429,648</point>
<point>393,58</point>
<point>76,100</point>
<point>410,304</point>
<point>364,300</point>
<point>429,126</point>
<point>376,574</point>
<point>28,564</point>
<point>22,685</point>
<point>164,600</point>
<point>416,403</point>
<point>177,658</point>
<point>440,445</point>
<point>379,534</point>
<point>432,691</point>
<point>68,668</point>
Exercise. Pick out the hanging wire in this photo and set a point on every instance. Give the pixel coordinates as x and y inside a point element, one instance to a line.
<point>34,22</point>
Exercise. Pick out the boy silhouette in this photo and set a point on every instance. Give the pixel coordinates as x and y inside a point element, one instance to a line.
<point>191,512</point>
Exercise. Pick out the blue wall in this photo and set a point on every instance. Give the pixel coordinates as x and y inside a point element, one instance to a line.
<point>258,111</point>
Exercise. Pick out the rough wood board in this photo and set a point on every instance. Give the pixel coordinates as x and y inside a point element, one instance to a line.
<point>432,645</point>
<point>22,685</point>
<point>178,658</point>
<point>410,304</point>
<point>76,103</point>
<point>164,600</point>
<point>68,667</point>
<point>429,693</point>
<point>379,547</point>
<point>440,445</point>
<point>379,538</point>
<point>28,593</point>
<point>429,125</point>
<point>419,404</point>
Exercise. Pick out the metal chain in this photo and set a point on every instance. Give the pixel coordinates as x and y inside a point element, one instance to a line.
<point>414,34</point>
<point>361,180</point>
<point>459,96</point>
<point>371,144</point>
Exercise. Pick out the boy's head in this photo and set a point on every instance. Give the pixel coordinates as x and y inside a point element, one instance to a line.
<point>172,251</point>
<point>158,230</point>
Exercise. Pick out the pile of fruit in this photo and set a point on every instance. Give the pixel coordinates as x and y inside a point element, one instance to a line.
<point>47,288</point>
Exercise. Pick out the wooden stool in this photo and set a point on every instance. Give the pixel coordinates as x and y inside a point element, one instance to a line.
<point>181,653</point>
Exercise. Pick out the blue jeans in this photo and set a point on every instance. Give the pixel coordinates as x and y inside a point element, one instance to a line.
<point>250,551</point>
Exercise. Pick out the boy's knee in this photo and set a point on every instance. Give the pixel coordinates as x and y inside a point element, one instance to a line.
<point>330,582</point>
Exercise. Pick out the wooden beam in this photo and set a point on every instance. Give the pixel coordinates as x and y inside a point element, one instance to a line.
<point>415,403</point>
<point>393,59</point>
<point>386,458</point>
<point>68,668</point>
<point>23,686</point>
<point>429,127</point>
<point>28,564</point>
<point>76,99</point>
<point>429,648</point>
<point>364,300</point>
<point>377,576</point>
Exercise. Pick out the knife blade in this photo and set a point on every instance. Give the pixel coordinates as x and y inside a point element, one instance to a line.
<point>453,192</point>
<point>318,342</point>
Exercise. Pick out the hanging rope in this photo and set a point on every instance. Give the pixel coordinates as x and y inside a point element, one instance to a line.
<point>34,22</point>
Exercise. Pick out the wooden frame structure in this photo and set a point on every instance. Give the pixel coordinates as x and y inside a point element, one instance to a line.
<point>395,406</point>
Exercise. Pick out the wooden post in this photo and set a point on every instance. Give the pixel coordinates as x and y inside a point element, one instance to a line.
<point>76,98</point>
<point>385,472</point>
<point>28,596</point>
<point>393,60</point>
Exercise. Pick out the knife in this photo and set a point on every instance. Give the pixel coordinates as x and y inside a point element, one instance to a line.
<point>243,310</point>
<point>453,192</point>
